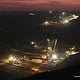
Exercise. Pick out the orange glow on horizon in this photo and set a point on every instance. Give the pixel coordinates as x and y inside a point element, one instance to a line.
<point>38,4</point>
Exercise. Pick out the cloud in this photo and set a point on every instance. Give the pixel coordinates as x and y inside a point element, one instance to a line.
<point>38,4</point>
<point>42,0</point>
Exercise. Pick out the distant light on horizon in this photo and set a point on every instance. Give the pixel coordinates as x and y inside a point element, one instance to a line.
<point>46,23</point>
<point>63,13</point>
<point>31,14</point>
<point>50,11</point>
<point>66,21</point>
<point>32,42</point>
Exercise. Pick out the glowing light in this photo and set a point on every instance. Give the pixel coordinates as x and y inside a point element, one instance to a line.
<point>63,13</point>
<point>11,58</point>
<point>46,23</point>
<point>54,57</point>
<point>35,69</point>
<point>31,14</point>
<point>44,56</point>
<point>48,40</point>
<point>44,50</point>
<point>73,52</point>
<point>32,42</point>
<point>66,21</point>
<point>73,48</point>
<point>50,11</point>
<point>49,48</point>
<point>14,59</point>
<point>72,17</point>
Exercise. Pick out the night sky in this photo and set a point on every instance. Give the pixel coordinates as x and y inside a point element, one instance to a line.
<point>38,4</point>
<point>17,27</point>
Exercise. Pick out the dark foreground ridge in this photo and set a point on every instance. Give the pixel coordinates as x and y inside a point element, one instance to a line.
<point>6,76</point>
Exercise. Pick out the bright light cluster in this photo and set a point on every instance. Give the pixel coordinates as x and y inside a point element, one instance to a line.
<point>12,58</point>
<point>54,56</point>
